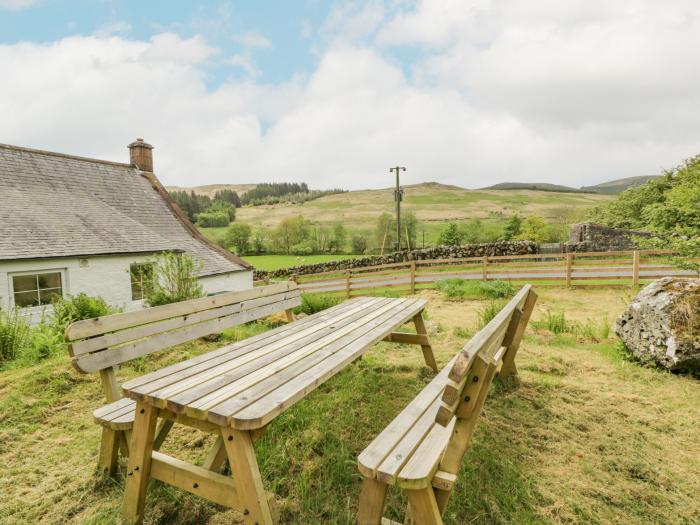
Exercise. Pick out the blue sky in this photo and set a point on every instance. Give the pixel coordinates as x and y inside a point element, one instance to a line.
<point>332,93</point>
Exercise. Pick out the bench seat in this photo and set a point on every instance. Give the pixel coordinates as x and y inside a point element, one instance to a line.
<point>408,451</point>
<point>116,416</point>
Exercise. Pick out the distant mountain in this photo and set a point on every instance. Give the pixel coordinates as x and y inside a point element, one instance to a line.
<point>612,187</point>
<point>535,186</point>
<point>210,189</point>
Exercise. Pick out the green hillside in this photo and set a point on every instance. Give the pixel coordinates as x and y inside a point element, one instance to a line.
<point>614,187</point>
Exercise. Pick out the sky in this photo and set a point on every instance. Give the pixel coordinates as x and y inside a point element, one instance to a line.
<point>463,92</point>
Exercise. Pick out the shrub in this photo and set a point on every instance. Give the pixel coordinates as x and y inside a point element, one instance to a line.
<point>175,280</point>
<point>47,341</point>
<point>315,302</point>
<point>213,219</point>
<point>77,308</point>
<point>238,237</point>
<point>15,334</point>
<point>359,244</point>
<point>473,289</point>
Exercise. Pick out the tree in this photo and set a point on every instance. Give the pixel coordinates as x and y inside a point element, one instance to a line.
<point>512,228</point>
<point>238,236</point>
<point>359,244</point>
<point>223,207</point>
<point>533,229</point>
<point>339,236</point>
<point>259,237</point>
<point>213,219</point>
<point>228,195</point>
<point>386,225</point>
<point>451,236</point>
<point>322,238</point>
<point>290,232</point>
<point>174,279</point>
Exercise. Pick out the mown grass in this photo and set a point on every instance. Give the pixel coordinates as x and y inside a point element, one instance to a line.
<point>276,262</point>
<point>586,437</point>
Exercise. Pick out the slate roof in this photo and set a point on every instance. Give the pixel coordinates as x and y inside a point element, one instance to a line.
<point>55,205</point>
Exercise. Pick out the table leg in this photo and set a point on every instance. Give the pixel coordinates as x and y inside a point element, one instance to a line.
<point>427,349</point>
<point>246,477</point>
<point>139,469</point>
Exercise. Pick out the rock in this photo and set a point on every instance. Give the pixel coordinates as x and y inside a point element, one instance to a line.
<point>662,324</point>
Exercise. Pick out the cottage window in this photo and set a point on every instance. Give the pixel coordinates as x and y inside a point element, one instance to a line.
<point>141,280</point>
<point>36,289</point>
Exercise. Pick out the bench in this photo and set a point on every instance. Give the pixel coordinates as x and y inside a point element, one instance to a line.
<point>104,343</point>
<point>421,450</point>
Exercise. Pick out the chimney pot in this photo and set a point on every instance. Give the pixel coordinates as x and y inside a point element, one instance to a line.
<point>141,155</point>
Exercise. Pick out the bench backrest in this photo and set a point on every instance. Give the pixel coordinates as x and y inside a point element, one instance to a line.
<point>101,343</point>
<point>469,380</point>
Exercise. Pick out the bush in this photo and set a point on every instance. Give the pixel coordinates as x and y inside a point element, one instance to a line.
<point>213,219</point>
<point>473,289</point>
<point>77,308</point>
<point>15,334</point>
<point>315,302</point>
<point>47,341</point>
<point>359,244</point>
<point>238,237</point>
<point>174,280</point>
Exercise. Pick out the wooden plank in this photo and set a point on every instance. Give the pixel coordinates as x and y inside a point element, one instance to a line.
<point>424,507</point>
<point>444,480</point>
<point>264,410</point>
<point>216,457</point>
<point>145,330</point>
<point>202,388</point>
<point>109,451</point>
<point>110,323</point>
<point>426,348</point>
<point>114,356</point>
<point>241,347</point>
<point>467,390</point>
<point>238,397</point>
<point>139,469</point>
<point>508,367</point>
<point>246,477</point>
<point>407,338</point>
<point>196,480</point>
<point>105,410</point>
<point>419,470</point>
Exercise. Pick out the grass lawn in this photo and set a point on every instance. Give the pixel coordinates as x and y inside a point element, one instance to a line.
<point>275,262</point>
<point>586,437</point>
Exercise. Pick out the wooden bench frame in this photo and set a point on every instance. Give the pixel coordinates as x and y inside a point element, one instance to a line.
<point>104,343</point>
<point>428,472</point>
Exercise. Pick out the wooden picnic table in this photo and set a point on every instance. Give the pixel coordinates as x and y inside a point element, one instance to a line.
<point>235,391</point>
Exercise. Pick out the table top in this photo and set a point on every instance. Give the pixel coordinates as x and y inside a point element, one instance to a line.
<point>245,385</point>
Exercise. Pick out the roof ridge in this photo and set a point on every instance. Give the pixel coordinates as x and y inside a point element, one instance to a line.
<point>65,155</point>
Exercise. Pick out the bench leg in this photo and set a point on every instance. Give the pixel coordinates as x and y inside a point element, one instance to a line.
<point>162,432</point>
<point>290,316</point>
<point>424,508</point>
<point>216,456</point>
<point>427,349</point>
<point>246,477</point>
<point>139,470</point>
<point>372,497</point>
<point>109,451</point>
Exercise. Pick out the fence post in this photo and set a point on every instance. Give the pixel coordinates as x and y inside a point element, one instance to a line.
<point>568,269</point>
<point>413,277</point>
<point>484,266</point>
<point>294,278</point>
<point>347,283</point>
<point>635,268</point>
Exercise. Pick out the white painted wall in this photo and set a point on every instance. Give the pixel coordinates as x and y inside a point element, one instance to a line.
<point>106,276</point>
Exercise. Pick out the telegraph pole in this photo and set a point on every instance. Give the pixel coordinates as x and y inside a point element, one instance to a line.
<point>398,197</point>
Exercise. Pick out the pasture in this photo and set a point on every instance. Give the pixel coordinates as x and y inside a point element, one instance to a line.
<point>587,437</point>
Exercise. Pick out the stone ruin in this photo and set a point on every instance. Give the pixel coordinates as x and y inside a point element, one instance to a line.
<point>662,324</point>
<point>590,237</point>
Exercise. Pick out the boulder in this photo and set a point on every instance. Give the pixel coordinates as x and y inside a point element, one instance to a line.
<point>662,324</point>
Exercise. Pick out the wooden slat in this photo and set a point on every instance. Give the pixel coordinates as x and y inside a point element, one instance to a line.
<point>406,338</point>
<point>419,470</point>
<point>110,323</point>
<point>444,480</point>
<point>197,480</point>
<point>114,356</point>
<point>264,410</point>
<point>130,334</point>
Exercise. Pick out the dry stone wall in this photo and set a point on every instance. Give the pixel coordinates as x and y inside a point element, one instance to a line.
<point>590,237</point>
<point>440,252</point>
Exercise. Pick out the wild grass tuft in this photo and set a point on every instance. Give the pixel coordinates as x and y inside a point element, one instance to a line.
<point>15,334</point>
<point>473,289</point>
<point>315,302</point>
<point>489,311</point>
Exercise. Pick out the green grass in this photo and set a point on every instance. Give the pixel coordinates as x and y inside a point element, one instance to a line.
<point>473,289</point>
<point>586,437</point>
<point>275,262</point>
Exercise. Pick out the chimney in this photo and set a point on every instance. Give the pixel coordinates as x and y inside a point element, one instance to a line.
<point>141,155</point>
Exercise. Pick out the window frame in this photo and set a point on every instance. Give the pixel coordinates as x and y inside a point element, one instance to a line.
<point>141,282</point>
<point>36,273</point>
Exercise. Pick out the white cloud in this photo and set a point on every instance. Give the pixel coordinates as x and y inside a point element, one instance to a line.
<point>253,40</point>
<point>119,27</point>
<point>567,92</point>
<point>16,5</point>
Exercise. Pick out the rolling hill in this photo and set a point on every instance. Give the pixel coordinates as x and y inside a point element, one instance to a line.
<point>210,189</point>
<point>612,187</point>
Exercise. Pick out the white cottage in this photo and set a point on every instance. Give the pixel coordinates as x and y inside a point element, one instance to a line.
<point>71,224</point>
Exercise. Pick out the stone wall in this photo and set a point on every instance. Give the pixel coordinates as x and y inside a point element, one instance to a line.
<point>590,237</point>
<point>440,252</point>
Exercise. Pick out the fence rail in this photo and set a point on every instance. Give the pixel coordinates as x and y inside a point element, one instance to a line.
<point>627,267</point>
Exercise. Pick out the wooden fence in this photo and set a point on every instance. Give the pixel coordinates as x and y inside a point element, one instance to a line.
<point>595,268</point>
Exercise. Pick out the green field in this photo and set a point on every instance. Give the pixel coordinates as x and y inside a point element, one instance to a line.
<point>587,436</point>
<point>275,262</point>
